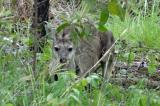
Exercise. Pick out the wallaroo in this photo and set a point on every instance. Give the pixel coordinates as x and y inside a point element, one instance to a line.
<point>83,55</point>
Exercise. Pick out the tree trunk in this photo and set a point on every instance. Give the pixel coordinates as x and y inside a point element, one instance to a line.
<point>40,14</point>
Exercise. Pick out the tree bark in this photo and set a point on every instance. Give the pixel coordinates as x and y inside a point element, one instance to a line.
<point>40,14</point>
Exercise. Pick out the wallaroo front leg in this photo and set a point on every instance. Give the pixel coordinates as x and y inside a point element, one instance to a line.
<point>108,67</point>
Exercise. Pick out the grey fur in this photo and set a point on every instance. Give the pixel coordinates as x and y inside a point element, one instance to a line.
<point>84,55</point>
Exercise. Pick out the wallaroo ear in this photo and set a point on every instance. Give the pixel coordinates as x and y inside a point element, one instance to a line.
<point>50,30</point>
<point>66,33</point>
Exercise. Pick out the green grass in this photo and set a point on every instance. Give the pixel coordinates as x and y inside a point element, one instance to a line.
<point>140,29</point>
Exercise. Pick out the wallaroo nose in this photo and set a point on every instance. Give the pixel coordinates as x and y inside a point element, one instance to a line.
<point>63,60</point>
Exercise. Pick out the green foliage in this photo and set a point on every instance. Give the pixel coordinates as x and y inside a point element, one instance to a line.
<point>152,66</point>
<point>76,19</point>
<point>62,26</point>
<point>103,19</point>
<point>140,98</point>
<point>115,9</point>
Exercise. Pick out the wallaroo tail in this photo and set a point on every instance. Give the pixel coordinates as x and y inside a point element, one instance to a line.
<point>82,56</point>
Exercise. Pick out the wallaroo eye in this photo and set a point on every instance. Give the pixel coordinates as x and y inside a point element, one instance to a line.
<point>56,48</point>
<point>70,49</point>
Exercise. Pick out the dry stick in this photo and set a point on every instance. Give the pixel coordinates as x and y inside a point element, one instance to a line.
<point>105,71</point>
<point>91,69</point>
<point>104,78</point>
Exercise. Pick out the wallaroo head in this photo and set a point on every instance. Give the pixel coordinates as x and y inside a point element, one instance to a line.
<point>63,46</point>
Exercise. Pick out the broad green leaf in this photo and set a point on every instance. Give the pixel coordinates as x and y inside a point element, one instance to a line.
<point>9,104</point>
<point>152,68</point>
<point>102,28</point>
<point>104,16</point>
<point>76,91</point>
<point>115,9</point>
<point>83,82</point>
<point>49,97</point>
<point>131,56</point>
<point>103,19</point>
<point>152,65</point>
<point>62,26</point>
<point>74,97</point>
